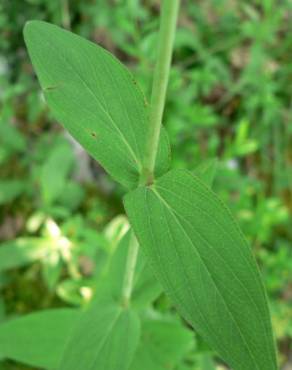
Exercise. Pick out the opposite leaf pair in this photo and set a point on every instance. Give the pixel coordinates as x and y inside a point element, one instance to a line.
<point>192,242</point>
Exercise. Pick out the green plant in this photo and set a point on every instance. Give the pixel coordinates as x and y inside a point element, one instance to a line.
<point>190,239</point>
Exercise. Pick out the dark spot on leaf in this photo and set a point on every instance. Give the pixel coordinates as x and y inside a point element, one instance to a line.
<point>50,88</point>
<point>93,134</point>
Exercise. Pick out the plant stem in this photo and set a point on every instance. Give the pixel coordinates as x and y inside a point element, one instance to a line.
<point>169,13</point>
<point>66,22</point>
<point>130,270</point>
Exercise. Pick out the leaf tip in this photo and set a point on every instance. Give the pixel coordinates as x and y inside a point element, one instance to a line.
<point>32,27</point>
<point>28,26</point>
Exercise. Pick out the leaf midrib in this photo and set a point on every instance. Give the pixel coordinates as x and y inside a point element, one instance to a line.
<point>103,342</point>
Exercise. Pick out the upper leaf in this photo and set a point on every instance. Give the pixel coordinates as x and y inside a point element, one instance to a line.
<point>206,266</point>
<point>95,97</point>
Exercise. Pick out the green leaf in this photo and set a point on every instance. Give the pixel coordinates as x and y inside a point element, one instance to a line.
<point>2,309</point>
<point>11,189</point>
<point>3,280</point>
<point>55,171</point>
<point>71,291</point>
<point>105,338</point>
<point>206,171</point>
<point>206,266</point>
<point>96,99</point>
<point>72,195</point>
<point>205,362</point>
<point>22,251</point>
<point>12,139</point>
<point>145,286</point>
<point>52,269</point>
<point>37,339</point>
<point>163,345</point>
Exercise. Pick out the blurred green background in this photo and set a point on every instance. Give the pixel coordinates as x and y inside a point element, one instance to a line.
<point>229,97</point>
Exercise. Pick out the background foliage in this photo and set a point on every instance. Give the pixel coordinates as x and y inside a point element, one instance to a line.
<point>229,97</point>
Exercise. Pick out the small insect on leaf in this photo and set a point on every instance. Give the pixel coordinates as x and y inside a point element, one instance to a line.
<point>51,88</point>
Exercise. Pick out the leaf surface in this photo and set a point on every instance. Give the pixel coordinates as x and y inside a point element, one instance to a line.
<point>206,266</point>
<point>96,99</point>
<point>37,339</point>
<point>146,288</point>
<point>55,171</point>
<point>105,338</point>
<point>205,362</point>
<point>163,345</point>
<point>11,189</point>
<point>206,171</point>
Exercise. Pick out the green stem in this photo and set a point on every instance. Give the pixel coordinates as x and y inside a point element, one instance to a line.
<point>169,14</point>
<point>66,21</point>
<point>130,270</point>
<point>168,22</point>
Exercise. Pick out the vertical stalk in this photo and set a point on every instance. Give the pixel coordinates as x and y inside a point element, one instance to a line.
<point>130,269</point>
<point>169,14</point>
<point>66,21</point>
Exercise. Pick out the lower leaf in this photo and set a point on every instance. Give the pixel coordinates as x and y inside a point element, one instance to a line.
<point>201,259</point>
<point>37,339</point>
<point>105,338</point>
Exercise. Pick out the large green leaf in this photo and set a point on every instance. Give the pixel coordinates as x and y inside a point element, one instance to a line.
<point>95,97</point>
<point>206,266</point>
<point>163,345</point>
<point>105,338</point>
<point>37,339</point>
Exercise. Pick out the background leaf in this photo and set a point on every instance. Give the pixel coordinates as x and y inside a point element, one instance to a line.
<point>105,338</point>
<point>95,97</point>
<point>206,171</point>
<point>37,339</point>
<point>205,265</point>
<point>146,288</point>
<point>10,189</point>
<point>205,362</point>
<point>22,251</point>
<point>163,344</point>
<point>55,171</point>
